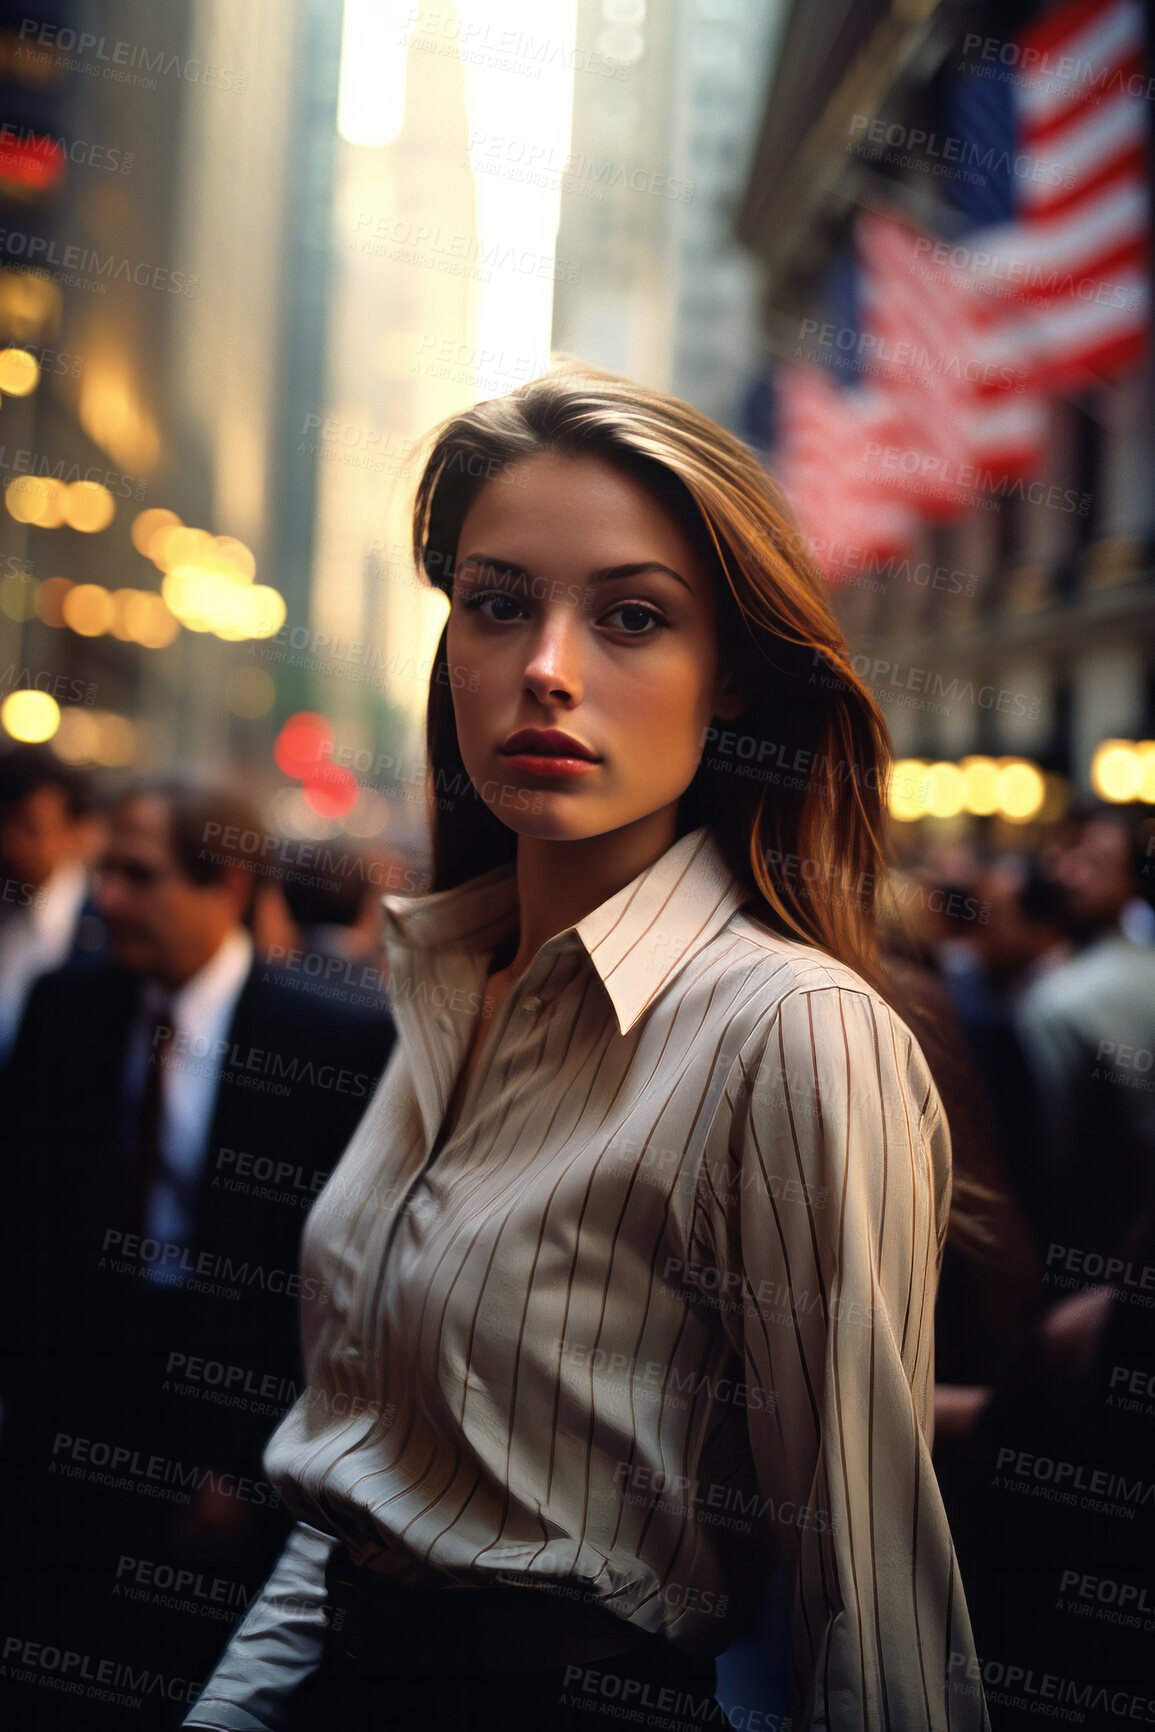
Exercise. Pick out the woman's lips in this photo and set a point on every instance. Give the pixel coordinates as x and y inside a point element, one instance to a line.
<point>545,754</point>
<point>549,767</point>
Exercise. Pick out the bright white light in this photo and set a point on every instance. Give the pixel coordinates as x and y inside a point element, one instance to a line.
<point>371,93</point>
<point>520,129</point>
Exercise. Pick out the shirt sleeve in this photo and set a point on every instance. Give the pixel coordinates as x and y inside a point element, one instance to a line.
<point>277,1647</point>
<point>834,1213</point>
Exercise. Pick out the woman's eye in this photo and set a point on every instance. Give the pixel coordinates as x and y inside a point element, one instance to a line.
<point>636,621</point>
<point>495,604</point>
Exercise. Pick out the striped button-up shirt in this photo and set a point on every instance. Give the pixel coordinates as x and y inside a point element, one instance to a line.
<point>659,1312</point>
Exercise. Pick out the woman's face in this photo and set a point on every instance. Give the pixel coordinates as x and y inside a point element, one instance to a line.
<point>583,658</point>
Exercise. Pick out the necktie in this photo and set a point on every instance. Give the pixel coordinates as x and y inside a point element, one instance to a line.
<point>150,1117</point>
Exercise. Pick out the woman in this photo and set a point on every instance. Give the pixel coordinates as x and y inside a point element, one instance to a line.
<point>623,1291</point>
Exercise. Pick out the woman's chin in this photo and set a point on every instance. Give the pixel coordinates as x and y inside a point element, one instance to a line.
<point>550,816</point>
<point>551,826</point>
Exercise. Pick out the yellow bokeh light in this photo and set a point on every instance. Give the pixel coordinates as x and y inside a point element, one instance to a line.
<point>115,741</point>
<point>118,621</point>
<point>1116,771</point>
<point>250,692</point>
<point>37,499</point>
<point>77,737</point>
<point>909,790</point>
<point>180,545</point>
<point>149,621</point>
<point>945,798</point>
<point>19,372</point>
<point>112,414</point>
<point>267,611</point>
<point>235,556</point>
<point>187,592</point>
<point>87,609</point>
<point>88,506</point>
<point>50,599</point>
<point>213,596</point>
<point>158,544</point>
<point>1021,791</point>
<point>146,524</point>
<point>1146,790</point>
<point>30,716</point>
<point>980,786</point>
<point>29,306</point>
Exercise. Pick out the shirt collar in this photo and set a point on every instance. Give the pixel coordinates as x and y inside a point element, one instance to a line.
<point>54,911</point>
<point>209,995</point>
<point>637,941</point>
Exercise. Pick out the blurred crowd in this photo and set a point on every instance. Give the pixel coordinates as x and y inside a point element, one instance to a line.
<point>1030,976</point>
<point>187,1045</point>
<point>189,1040</point>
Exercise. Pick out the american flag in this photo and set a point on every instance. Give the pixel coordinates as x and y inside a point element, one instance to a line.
<point>965,335</point>
<point>827,438</point>
<point>966,412</point>
<point>1068,273</point>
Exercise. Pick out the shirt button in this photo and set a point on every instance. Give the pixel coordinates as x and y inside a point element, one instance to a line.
<point>531,1004</point>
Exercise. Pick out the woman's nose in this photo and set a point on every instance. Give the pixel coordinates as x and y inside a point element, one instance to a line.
<point>553,672</point>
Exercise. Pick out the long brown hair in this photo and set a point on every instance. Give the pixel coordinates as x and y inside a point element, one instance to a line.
<point>794,789</point>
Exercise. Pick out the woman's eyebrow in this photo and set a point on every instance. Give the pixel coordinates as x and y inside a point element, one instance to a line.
<point>609,572</point>
<point>606,574</point>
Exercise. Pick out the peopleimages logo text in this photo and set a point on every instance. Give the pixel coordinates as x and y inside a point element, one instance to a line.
<point>45,254</point>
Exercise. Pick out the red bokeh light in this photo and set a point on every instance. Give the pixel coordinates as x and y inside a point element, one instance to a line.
<point>303,743</point>
<point>32,165</point>
<point>331,791</point>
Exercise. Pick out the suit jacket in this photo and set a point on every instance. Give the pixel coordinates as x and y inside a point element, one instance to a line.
<point>135,1416</point>
<point>297,1076</point>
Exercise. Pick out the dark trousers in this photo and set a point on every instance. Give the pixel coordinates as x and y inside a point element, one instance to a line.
<point>654,1685</point>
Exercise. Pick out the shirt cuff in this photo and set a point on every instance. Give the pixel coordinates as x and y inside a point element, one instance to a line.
<point>277,1648</point>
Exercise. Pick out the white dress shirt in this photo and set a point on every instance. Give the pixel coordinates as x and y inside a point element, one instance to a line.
<point>200,1014</point>
<point>1090,1022</point>
<point>658,1313</point>
<point>34,940</point>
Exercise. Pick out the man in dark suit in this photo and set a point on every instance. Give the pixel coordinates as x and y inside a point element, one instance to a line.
<point>48,834</point>
<point>172,1116</point>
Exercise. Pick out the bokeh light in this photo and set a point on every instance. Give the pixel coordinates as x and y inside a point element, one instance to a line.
<point>945,798</point>
<point>36,499</point>
<point>87,609</point>
<point>1020,791</point>
<point>980,786</point>
<point>78,736</point>
<point>236,556</point>
<point>907,792</point>
<point>19,372</point>
<point>118,619</point>
<point>115,741</point>
<point>305,741</point>
<point>1116,771</point>
<point>292,815</point>
<point>88,506</point>
<point>30,716</point>
<point>50,599</point>
<point>331,790</point>
<point>148,620</point>
<point>147,524</point>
